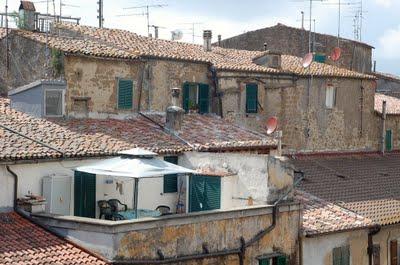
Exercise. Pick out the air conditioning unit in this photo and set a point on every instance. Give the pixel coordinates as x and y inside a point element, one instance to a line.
<point>57,191</point>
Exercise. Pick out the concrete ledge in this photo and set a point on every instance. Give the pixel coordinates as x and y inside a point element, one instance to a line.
<point>112,227</point>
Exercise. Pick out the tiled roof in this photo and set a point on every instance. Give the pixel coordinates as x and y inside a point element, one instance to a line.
<point>321,217</point>
<point>388,76</point>
<point>22,242</point>
<point>77,46</point>
<point>208,132</point>
<point>221,58</point>
<point>103,137</point>
<point>368,183</point>
<point>392,104</point>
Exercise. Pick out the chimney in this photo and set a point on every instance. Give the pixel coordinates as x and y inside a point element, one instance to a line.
<point>175,113</point>
<point>207,36</point>
<point>27,15</point>
<point>265,46</point>
<point>219,40</point>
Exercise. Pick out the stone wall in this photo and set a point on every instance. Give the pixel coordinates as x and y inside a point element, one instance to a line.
<point>294,41</point>
<point>351,125</point>
<point>28,62</point>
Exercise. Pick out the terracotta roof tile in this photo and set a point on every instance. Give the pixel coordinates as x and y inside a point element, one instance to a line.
<point>368,184</point>
<point>22,242</point>
<point>97,137</point>
<point>320,216</point>
<point>221,58</point>
<point>392,104</point>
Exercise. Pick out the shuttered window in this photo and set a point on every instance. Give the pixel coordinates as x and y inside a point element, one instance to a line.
<point>388,140</point>
<point>205,193</point>
<point>196,97</point>
<point>393,252</point>
<point>251,98</point>
<point>125,94</point>
<point>320,58</point>
<point>53,102</point>
<point>171,180</point>
<point>330,96</point>
<point>263,262</point>
<point>279,260</point>
<point>341,255</point>
<point>84,194</point>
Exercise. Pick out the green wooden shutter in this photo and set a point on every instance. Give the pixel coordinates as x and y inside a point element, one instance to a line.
<point>125,94</point>
<point>171,180</point>
<point>251,98</point>
<point>185,96</point>
<point>282,260</point>
<point>85,194</point>
<point>263,262</point>
<point>205,193</point>
<point>337,256</point>
<point>203,98</point>
<point>345,259</point>
<point>388,140</point>
<point>320,58</point>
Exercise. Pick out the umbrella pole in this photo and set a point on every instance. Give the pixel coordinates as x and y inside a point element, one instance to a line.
<point>135,197</point>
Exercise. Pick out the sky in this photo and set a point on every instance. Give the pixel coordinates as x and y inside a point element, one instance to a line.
<point>381,23</point>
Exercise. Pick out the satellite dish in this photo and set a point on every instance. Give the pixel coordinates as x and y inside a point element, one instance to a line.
<point>307,60</point>
<point>272,124</point>
<point>177,34</point>
<point>336,53</point>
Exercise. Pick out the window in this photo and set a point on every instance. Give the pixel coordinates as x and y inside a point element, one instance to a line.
<point>273,260</point>
<point>251,98</point>
<point>125,94</point>
<point>394,252</point>
<point>388,140</point>
<point>54,102</point>
<point>171,181</point>
<point>341,255</point>
<point>376,255</point>
<point>320,58</point>
<point>196,97</point>
<point>204,193</point>
<point>330,97</point>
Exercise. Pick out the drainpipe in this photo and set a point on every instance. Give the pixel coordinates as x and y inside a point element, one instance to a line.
<point>383,127</point>
<point>373,231</point>
<point>15,187</point>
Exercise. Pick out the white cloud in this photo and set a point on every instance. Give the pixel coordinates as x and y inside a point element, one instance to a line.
<point>384,3</point>
<point>389,44</point>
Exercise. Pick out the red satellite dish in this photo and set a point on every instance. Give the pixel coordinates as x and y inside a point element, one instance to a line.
<point>336,53</point>
<point>272,124</point>
<point>307,60</point>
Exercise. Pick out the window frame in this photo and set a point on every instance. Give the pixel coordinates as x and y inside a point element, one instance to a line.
<point>133,93</point>
<point>196,86</point>
<point>271,259</point>
<point>341,252</point>
<point>330,86</point>
<point>62,102</point>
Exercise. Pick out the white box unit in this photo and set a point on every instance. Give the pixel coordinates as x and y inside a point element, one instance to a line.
<point>57,191</point>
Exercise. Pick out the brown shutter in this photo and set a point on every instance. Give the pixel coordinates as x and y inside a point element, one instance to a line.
<point>393,252</point>
<point>377,255</point>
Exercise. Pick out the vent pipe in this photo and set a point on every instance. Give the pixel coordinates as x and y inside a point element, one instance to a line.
<point>207,36</point>
<point>383,136</point>
<point>219,40</point>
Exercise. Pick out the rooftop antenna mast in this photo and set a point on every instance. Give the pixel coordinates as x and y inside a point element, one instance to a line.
<point>193,29</point>
<point>7,48</point>
<point>63,4</point>
<point>146,13</point>
<point>100,13</point>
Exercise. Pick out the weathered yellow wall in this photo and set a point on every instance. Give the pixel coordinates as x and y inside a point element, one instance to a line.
<point>177,240</point>
<point>350,125</point>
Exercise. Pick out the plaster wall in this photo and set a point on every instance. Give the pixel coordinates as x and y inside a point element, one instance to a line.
<point>318,250</point>
<point>383,238</point>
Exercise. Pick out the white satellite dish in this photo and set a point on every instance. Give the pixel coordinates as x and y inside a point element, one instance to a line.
<point>177,34</point>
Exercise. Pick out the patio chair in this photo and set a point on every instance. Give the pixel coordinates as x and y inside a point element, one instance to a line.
<point>163,209</point>
<point>105,210</point>
<point>115,206</point>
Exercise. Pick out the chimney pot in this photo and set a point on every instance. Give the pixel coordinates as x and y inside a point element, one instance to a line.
<point>207,36</point>
<point>219,40</point>
<point>174,116</point>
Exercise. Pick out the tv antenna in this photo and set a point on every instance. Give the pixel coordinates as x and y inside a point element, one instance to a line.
<point>64,4</point>
<point>192,29</point>
<point>156,28</point>
<point>145,13</point>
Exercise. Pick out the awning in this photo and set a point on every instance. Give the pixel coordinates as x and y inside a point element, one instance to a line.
<point>134,167</point>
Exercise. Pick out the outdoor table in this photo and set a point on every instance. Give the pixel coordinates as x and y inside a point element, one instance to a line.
<point>131,214</point>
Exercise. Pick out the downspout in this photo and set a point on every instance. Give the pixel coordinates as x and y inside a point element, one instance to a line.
<point>383,127</point>
<point>228,252</point>
<point>15,176</point>
<point>373,231</point>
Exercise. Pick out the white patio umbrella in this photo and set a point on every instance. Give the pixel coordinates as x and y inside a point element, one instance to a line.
<point>137,164</point>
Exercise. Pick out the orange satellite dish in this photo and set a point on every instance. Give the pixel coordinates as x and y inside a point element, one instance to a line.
<point>336,53</point>
<point>307,60</point>
<point>272,124</point>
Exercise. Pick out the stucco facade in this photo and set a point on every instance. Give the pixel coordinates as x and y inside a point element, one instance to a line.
<point>306,122</point>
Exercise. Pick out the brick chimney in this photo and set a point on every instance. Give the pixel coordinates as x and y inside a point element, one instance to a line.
<point>175,113</point>
<point>27,15</point>
<point>207,36</point>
